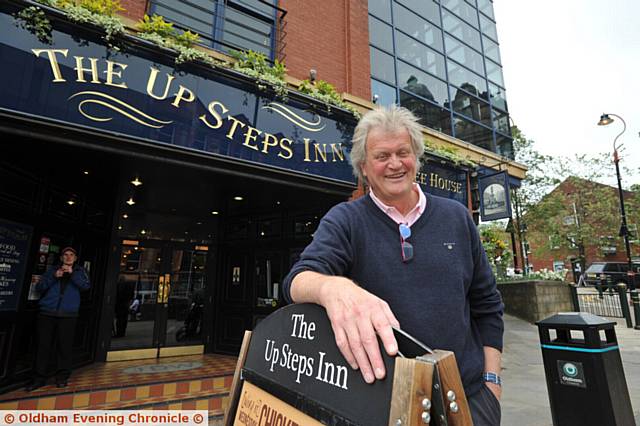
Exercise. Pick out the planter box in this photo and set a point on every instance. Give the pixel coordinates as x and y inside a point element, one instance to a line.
<point>535,300</point>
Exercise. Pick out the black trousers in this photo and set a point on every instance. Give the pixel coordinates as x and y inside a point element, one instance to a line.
<point>55,336</point>
<point>485,408</point>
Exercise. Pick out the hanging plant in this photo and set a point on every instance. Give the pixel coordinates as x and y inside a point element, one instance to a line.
<point>326,92</point>
<point>255,64</point>
<point>450,153</point>
<point>101,13</point>
<point>34,20</point>
<point>162,33</point>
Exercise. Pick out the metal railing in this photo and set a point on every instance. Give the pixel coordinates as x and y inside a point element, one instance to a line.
<point>605,299</point>
<point>603,302</point>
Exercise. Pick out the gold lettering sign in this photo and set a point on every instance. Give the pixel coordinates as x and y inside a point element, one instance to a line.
<point>259,408</point>
<point>88,71</point>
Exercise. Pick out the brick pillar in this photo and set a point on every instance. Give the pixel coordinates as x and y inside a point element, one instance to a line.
<point>332,37</point>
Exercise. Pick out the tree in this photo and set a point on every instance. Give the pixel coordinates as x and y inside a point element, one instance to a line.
<point>494,239</point>
<point>565,204</point>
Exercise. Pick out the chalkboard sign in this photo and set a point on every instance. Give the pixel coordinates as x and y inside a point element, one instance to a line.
<point>290,372</point>
<point>293,356</point>
<point>14,247</point>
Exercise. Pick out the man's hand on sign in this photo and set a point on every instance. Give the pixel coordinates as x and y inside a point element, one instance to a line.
<point>357,318</point>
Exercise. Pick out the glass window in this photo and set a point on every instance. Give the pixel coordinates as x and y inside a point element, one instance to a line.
<point>386,94</point>
<point>473,133</point>
<point>428,9</point>
<point>380,34</point>
<point>469,81</point>
<point>382,66</point>
<point>488,27</point>
<point>504,146</point>
<point>498,97</point>
<point>501,122</point>
<point>421,83</point>
<point>491,50</point>
<point>418,54</point>
<point>381,8</point>
<point>255,5</point>
<point>189,16</point>
<point>463,10</point>
<point>428,114</point>
<point>417,27</point>
<point>244,31</point>
<point>494,73</point>
<point>464,55</point>
<point>246,24</point>
<point>486,7</point>
<point>472,107</point>
<point>465,32</point>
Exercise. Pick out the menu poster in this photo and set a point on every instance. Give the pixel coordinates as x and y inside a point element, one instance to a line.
<point>15,239</point>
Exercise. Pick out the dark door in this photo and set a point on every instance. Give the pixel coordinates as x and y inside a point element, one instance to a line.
<point>235,298</point>
<point>160,299</point>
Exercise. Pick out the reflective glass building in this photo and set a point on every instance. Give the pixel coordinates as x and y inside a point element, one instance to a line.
<point>441,59</point>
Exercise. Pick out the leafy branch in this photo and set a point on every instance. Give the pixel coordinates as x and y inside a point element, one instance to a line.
<point>34,20</point>
<point>448,152</point>
<point>162,33</point>
<point>255,64</point>
<point>326,93</point>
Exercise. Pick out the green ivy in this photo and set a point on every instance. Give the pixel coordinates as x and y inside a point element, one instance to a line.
<point>162,33</point>
<point>156,25</point>
<point>448,152</point>
<point>101,13</point>
<point>255,65</point>
<point>34,20</point>
<point>326,92</point>
<point>97,7</point>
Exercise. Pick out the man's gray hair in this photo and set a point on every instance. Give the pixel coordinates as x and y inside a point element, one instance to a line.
<point>390,119</point>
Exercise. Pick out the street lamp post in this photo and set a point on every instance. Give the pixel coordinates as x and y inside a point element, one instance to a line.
<point>606,119</point>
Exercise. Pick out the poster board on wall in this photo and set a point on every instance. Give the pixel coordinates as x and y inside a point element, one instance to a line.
<point>15,240</point>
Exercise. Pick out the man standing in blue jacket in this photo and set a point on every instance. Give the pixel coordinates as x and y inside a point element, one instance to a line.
<point>59,291</point>
<point>399,256</point>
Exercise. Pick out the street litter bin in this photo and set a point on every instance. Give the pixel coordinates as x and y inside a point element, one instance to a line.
<point>584,372</point>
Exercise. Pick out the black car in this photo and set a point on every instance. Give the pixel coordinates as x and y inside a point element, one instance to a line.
<point>611,273</point>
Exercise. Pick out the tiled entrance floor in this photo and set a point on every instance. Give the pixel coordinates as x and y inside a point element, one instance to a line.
<point>186,382</point>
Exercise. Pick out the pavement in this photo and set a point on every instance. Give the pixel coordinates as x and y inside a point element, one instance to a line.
<point>525,400</point>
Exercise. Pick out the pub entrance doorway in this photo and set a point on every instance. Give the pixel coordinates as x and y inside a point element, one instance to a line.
<point>160,299</point>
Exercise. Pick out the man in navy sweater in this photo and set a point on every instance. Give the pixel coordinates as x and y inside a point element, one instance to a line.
<point>59,290</point>
<point>400,257</point>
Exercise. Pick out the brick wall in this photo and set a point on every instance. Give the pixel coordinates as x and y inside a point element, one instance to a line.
<point>332,37</point>
<point>134,9</point>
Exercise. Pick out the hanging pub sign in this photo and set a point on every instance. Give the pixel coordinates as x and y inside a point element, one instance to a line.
<point>14,246</point>
<point>137,93</point>
<point>494,196</point>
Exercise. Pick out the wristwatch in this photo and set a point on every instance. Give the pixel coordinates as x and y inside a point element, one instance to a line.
<point>492,378</point>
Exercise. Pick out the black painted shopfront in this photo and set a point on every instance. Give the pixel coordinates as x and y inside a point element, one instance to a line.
<point>187,189</point>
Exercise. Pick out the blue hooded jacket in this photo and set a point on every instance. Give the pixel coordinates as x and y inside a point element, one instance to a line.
<point>60,297</point>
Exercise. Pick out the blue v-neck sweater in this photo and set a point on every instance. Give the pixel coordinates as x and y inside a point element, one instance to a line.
<point>446,296</point>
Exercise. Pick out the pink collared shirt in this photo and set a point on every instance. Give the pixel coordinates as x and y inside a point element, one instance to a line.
<point>411,217</point>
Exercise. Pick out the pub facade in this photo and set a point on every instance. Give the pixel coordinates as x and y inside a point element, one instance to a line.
<point>187,187</point>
